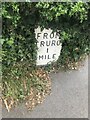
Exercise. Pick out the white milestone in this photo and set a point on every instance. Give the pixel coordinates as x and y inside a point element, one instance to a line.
<point>49,46</point>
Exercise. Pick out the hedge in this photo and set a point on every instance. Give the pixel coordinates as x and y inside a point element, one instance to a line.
<point>20,20</point>
<point>19,46</point>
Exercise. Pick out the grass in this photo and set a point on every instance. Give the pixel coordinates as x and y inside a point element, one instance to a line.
<point>25,82</point>
<point>21,83</point>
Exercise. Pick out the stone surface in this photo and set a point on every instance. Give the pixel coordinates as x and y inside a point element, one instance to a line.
<point>49,46</point>
<point>69,98</point>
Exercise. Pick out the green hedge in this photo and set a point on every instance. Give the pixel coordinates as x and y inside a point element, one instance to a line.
<point>19,46</point>
<point>20,19</point>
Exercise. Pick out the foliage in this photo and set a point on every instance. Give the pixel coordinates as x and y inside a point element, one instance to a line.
<point>73,21</point>
<point>19,46</point>
<point>18,34</point>
<point>18,82</point>
<point>20,20</point>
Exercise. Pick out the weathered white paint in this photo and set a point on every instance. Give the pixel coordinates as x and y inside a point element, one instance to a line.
<point>49,46</point>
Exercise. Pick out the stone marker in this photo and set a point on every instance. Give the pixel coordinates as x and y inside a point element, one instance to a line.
<point>49,46</point>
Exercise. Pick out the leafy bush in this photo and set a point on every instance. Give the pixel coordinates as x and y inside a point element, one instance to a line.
<point>73,20</point>
<point>19,46</point>
<point>20,20</point>
<point>18,33</point>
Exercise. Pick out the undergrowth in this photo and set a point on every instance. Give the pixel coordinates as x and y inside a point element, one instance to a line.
<point>18,82</point>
